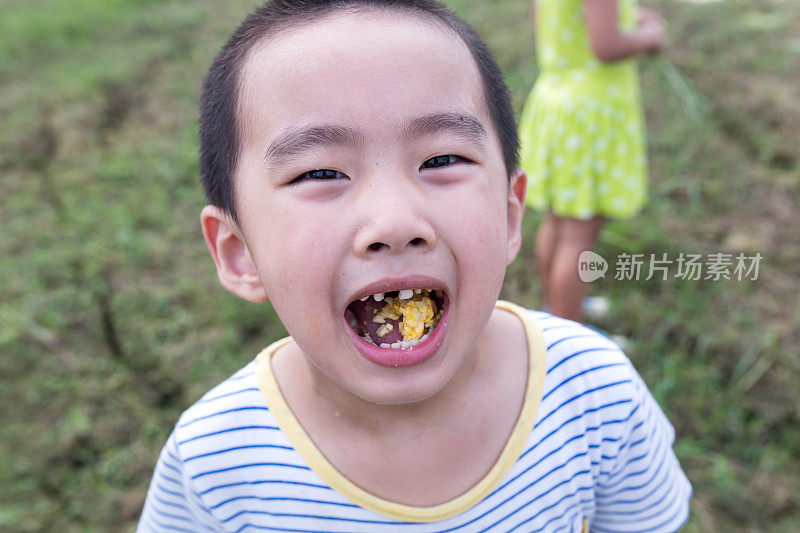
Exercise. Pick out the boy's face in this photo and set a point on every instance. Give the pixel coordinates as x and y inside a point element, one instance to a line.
<point>373,99</point>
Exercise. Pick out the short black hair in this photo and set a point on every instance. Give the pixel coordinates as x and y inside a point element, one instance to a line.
<point>219,128</point>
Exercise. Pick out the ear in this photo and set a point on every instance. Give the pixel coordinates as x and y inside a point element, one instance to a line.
<point>234,264</point>
<point>517,187</point>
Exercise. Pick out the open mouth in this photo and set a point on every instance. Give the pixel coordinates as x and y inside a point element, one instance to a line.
<point>401,319</point>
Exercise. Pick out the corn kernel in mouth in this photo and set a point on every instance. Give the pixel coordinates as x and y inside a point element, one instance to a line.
<point>415,315</point>
<point>396,319</point>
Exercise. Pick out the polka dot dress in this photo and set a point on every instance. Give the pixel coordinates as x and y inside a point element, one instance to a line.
<point>582,130</point>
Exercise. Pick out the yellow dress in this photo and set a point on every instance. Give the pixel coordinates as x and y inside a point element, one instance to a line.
<point>582,129</point>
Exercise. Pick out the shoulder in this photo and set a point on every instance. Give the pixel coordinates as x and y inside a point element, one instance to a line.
<point>238,391</point>
<point>587,377</point>
<point>207,441</point>
<point>597,437</point>
<point>600,427</point>
<point>233,412</point>
<point>571,346</point>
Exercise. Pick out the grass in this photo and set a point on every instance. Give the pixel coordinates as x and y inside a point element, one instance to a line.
<point>112,321</point>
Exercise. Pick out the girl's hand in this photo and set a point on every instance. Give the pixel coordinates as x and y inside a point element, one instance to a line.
<point>609,43</point>
<point>647,14</point>
<point>651,26</point>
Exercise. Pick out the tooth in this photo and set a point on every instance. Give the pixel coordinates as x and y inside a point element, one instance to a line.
<point>405,344</point>
<point>365,298</point>
<point>378,296</point>
<point>395,345</point>
<point>418,291</point>
<point>413,342</point>
<point>406,294</point>
<point>385,345</point>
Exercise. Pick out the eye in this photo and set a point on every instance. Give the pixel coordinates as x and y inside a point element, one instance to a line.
<point>319,174</point>
<point>442,161</point>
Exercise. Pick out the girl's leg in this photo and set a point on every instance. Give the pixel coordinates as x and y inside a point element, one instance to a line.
<point>564,287</point>
<point>546,240</point>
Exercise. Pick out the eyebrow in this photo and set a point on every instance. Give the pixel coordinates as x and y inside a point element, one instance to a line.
<point>438,123</point>
<point>295,142</point>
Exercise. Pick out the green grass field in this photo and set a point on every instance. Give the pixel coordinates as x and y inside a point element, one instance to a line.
<point>112,320</point>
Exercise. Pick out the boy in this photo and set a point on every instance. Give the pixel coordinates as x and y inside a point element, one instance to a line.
<point>360,160</point>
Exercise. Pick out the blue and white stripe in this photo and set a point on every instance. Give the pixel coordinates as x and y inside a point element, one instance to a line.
<point>600,451</point>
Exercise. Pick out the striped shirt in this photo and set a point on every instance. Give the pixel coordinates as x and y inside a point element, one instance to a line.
<point>591,447</point>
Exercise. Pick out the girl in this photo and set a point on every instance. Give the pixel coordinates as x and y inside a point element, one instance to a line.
<point>582,132</point>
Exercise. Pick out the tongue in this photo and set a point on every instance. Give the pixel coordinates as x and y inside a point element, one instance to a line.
<point>364,312</point>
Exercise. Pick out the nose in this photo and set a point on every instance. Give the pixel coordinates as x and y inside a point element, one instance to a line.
<point>394,222</point>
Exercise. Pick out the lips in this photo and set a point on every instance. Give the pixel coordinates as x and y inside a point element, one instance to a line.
<point>398,327</point>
